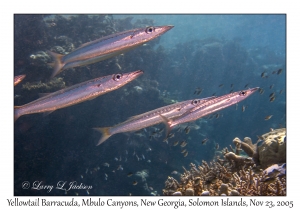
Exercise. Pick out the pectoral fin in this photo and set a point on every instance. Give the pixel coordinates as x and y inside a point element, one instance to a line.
<point>47,113</point>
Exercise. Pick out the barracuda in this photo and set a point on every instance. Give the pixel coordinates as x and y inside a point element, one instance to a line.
<point>208,107</point>
<point>75,94</point>
<point>106,47</point>
<point>18,79</point>
<point>150,118</point>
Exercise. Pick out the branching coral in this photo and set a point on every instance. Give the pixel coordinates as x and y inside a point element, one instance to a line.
<point>236,174</point>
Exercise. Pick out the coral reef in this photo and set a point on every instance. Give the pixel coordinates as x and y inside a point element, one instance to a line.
<point>237,173</point>
<point>272,149</point>
<point>53,84</point>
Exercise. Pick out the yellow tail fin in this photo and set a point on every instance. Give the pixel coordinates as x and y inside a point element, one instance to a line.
<point>58,65</point>
<point>105,134</point>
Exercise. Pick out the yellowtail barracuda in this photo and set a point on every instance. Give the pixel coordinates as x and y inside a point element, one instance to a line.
<point>18,79</point>
<point>106,47</point>
<point>208,107</point>
<point>76,94</point>
<point>150,118</point>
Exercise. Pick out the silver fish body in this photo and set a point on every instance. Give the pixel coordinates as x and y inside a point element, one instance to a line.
<point>106,47</point>
<point>209,107</point>
<point>150,118</point>
<point>76,94</point>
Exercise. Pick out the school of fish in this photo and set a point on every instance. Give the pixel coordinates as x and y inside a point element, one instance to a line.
<point>110,46</point>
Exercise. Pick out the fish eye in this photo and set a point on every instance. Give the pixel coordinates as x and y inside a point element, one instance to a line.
<point>243,93</point>
<point>117,77</point>
<point>195,102</point>
<point>149,30</point>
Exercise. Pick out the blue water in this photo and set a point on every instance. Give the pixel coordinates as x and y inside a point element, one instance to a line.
<point>217,53</point>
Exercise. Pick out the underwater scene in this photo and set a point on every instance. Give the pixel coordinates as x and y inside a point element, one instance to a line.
<point>150,105</point>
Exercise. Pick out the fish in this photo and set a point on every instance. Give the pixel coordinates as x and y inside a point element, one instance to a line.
<point>243,108</point>
<point>18,79</point>
<point>198,91</point>
<point>185,154</point>
<point>271,86</point>
<point>271,95</point>
<point>76,94</point>
<point>183,151</point>
<point>261,91</point>
<point>129,174</point>
<point>263,74</point>
<point>281,91</point>
<point>134,182</point>
<point>187,129</point>
<point>279,71</point>
<point>175,143</point>
<point>204,141</point>
<point>268,117</point>
<point>106,47</point>
<point>106,164</point>
<point>217,146</point>
<point>209,107</point>
<point>174,172</point>
<point>183,143</point>
<point>217,115</point>
<point>150,118</point>
<point>272,99</point>
<point>221,85</point>
<point>246,85</point>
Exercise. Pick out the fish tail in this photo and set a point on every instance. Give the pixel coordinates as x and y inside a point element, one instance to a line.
<point>105,134</point>
<point>58,64</point>
<point>17,113</point>
<point>167,123</point>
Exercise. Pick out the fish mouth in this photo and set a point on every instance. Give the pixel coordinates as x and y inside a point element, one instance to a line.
<point>136,73</point>
<point>163,29</point>
<point>252,90</point>
<point>167,28</point>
